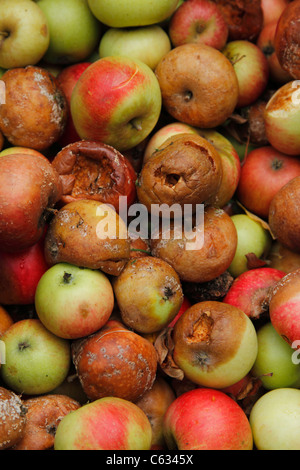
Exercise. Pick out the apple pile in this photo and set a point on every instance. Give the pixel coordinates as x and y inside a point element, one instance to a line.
<point>149,225</point>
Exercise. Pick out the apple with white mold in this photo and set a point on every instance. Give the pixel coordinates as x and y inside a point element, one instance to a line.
<point>274,420</point>
<point>123,14</point>
<point>109,423</point>
<point>36,360</point>
<point>116,100</point>
<point>206,419</point>
<point>145,43</point>
<point>199,21</point>
<point>73,302</point>
<point>25,35</point>
<point>74,33</point>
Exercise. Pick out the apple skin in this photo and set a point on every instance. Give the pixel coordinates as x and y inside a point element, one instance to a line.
<point>145,43</point>
<point>36,361</point>
<point>272,10</point>
<point>28,37</point>
<point>73,302</point>
<point>199,21</point>
<point>6,320</point>
<point>252,238</point>
<point>184,306</point>
<point>116,100</point>
<point>263,173</point>
<point>251,68</point>
<point>22,150</point>
<point>274,420</point>
<point>74,33</point>
<point>215,344</point>
<point>283,258</point>
<point>109,423</point>
<point>123,14</point>
<point>282,117</point>
<point>249,291</point>
<point>67,79</point>
<point>274,356</point>
<point>25,180</point>
<point>20,273</point>
<point>284,307</point>
<point>206,419</point>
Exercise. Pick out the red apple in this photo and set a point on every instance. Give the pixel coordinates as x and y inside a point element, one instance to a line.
<point>264,172</point>
<point>67,78</point>
<point>206,419</point>
<point>29,187</point>
<point>251,68</point>
<point>116,100</point>
<point>199,21</point>
<point>20,273</point>
<point>272,10</point>
<point>250,290</point>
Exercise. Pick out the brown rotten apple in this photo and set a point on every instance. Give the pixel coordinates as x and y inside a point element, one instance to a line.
<point>29,187</point>
<point>198,84</point>
<point>90,234</point>
<point>115,361</point>
<point>35,110</point>
<point>12,418</point>
<point>186,169</point>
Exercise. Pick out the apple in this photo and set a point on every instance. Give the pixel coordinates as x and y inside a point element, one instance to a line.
<point>273,364</point>
<point>6,321</point>
<point>67,79</point>
<point>206,419</point>
<point>73,302</point>
<point>25,181</point>
<point>153,300</point>
<point>74,32</point>
<point>109,423</point>
<point>123,14</point>
<point>20,273</point>
<point>23,150</point>
<point>251,68</point>
<point>117,100</point>
<point>24,33</point>
<point>214,344</point>
<point>263,173</point>
<point>274,420</point>
<point>199,21</point>
<point>283,258</point>
<point>163,133</point>
<point>266,43</point>
<point>282,117</point>
<point>36,361</point>
<point>184,306</point>
<point>13,418</point>
<point>272,10</point>
<point>145,43</point>
<point>284,308</point>
<point>198,85</point>
<point>253,238</point>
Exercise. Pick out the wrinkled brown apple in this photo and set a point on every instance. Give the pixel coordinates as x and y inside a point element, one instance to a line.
<point>12,418</point>
<point>198,84</point>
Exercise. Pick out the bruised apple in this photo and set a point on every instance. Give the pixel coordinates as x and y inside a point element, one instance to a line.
<point>12,418</point>
<point>90,234</point>
<point>198,84</point>
<point>153,299</point>
<point>29,189</point>
<point>115,361</point>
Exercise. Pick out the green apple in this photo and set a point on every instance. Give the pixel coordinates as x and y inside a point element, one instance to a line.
<point>253,238</point>
<point>275,418</point>
<point>36,360</point>
<point>117,100</point>
<point>74,30</point>
<point>275,356</point>
<point>109,423</point>
<point>24,33</point>
<point>124,13</point>
<point>146,43</point>
<point>73,302</point>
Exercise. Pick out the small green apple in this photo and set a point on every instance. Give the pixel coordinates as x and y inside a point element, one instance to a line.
<point>252,238</point>
<point>122,13</point>
<point>24,33</point>
<point>275,418</point>
<point>74,30</point>
<point>73,302</point>
<point>146,43</point>
<point>275,356</point>
<point>36,360</point>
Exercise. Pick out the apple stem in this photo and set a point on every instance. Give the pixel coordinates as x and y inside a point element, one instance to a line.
<point>136,124</point>
<point>238,58</point>
<point>67,277</point>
